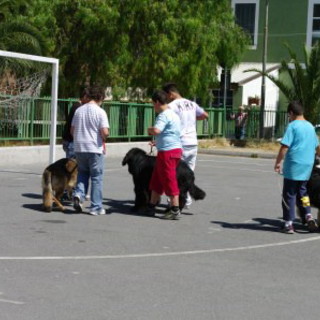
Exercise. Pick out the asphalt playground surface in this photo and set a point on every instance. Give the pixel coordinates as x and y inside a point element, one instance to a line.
<point>224,259</point>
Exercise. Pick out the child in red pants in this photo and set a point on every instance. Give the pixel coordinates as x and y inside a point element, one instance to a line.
<point>167,140</point>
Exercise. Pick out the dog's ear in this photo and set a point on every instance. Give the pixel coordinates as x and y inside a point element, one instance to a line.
<point>71,165</point>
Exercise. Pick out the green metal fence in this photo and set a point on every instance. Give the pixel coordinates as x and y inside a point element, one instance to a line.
<point>30,121</point>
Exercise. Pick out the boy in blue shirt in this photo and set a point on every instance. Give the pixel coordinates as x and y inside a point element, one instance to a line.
<point>298,148</point>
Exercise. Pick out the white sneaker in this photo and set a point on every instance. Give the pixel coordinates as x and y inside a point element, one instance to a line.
<point>98,212</point>
<point>188,204</point>
<point>87,197</point>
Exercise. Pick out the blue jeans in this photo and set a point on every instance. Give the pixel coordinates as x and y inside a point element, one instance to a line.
<point>292,193</point>
<point>240,133</point>
<point>68,149</point>
<point>90,166</point>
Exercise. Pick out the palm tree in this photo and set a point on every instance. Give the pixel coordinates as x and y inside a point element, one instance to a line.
<point>303,81</point>
<point>17,35</point>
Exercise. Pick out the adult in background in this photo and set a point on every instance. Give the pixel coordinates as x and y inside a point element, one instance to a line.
<point>298,147</point>
<point>167,140</point>
<point>241,118</point>
<point>90,128</point>
<point>189,112</point>
<point>67,138</point>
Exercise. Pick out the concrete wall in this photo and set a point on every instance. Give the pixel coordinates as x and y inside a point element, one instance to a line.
<point>40,154</point>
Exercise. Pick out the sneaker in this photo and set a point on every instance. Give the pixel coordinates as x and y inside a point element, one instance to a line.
<point>287,229</point>
<point>87,197</point>
<point>77,204</point>
<point>172,215</point>
<point>312,225</point>
<point>98,212</point>
<point>188,203</point>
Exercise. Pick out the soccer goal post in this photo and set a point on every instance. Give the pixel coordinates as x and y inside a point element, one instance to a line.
<point>54,92</point>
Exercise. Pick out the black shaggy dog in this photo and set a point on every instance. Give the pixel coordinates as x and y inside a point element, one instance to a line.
<point>140,166</point>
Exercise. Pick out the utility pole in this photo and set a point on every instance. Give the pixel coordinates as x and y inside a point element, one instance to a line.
<point>264,62</point>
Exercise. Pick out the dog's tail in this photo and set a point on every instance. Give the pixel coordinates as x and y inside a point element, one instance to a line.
<point>197,193</point>
<point>47,190</point>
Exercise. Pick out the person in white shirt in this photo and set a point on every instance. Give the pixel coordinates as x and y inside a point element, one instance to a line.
<point>189,112</point>
<point>90,128</point>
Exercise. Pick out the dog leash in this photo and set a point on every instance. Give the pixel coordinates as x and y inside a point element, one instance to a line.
<point>151,151</point>
<point>151,146</point>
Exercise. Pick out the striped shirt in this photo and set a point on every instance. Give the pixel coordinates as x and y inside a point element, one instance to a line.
<point>88,120</point>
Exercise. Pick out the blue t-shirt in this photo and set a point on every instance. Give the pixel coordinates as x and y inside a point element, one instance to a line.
<point>301,138</point>
<point>169,124</point>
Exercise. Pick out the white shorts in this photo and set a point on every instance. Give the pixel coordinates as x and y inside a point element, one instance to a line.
<point>189,155</point>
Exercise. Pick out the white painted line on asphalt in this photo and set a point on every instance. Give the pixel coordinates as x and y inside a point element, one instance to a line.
<point>10,301</point>
<point>165,254</point>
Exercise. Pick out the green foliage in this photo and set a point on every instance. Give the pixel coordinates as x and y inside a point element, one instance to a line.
<point>18,35</point>
<point>303,82</point>
<point>136,43</point>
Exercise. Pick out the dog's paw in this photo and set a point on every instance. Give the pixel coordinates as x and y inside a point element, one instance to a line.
<point>47,209</point>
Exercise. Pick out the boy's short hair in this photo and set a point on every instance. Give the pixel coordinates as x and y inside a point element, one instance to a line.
<point>170,87</point>
<point>95,93</point>
<point>296,108</point>
<point>159,95</point>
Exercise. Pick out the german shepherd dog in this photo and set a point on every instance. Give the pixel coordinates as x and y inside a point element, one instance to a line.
<point>140,166</point>
<point>56,178</point>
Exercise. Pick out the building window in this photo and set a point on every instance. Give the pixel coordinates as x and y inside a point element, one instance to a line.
<point>246,14</point>
<point>313,27</point>
<point>218,99</point>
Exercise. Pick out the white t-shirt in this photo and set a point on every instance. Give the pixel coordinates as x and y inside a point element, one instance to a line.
<point>87,122</point>
<point>188,111</point>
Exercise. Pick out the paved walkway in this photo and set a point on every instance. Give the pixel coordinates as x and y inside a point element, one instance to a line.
<point>224,260</point>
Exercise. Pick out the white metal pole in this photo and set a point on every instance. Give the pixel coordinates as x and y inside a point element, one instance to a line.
<point>54,92</point>
<point>54,108</point>
<point>27,56</point>
<point>264,62</point>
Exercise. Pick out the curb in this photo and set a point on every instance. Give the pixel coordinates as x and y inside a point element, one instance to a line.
<point>239,153</point>
<point>40,154</point>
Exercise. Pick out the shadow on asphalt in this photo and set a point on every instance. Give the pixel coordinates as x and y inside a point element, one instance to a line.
<point>32,195</point>
<point>261,224</point>
<point>38,207</point>
<point>122,207</point>
<point>125,207</point>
